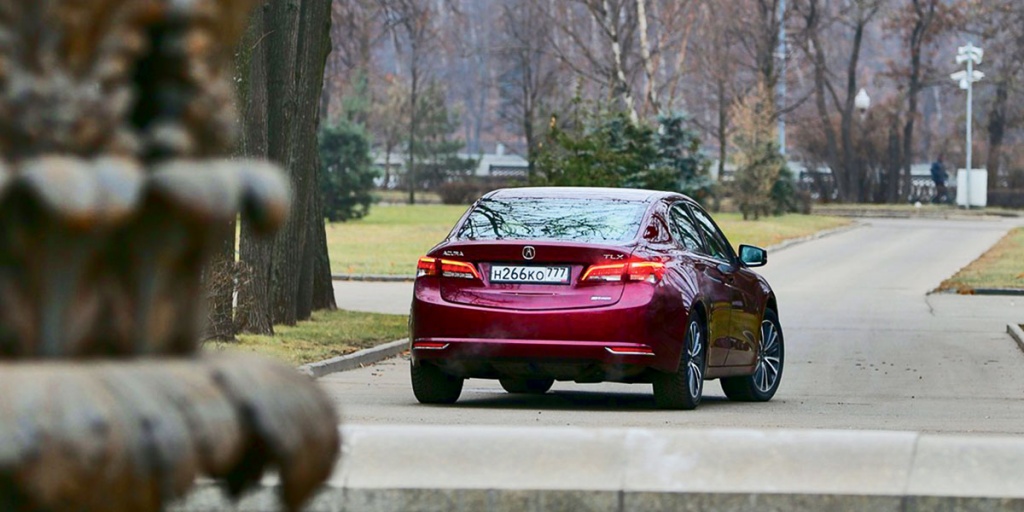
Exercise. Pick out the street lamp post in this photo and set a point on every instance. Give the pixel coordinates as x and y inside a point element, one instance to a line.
<point>971,55</point>
<point>862,102</point>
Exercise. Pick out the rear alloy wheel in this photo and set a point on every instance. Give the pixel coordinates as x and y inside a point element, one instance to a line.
<point>527,386</point>
<point>432,386</point>
<point>761,386</point>
<point>683,389</point>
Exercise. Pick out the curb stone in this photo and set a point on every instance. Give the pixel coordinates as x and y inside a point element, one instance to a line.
<point>1017,334</point>
<point>641,470</point>
<point>355,360</point>
<point>998,291</point>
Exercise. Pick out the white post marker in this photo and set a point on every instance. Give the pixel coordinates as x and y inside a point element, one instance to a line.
<point>971,55</point>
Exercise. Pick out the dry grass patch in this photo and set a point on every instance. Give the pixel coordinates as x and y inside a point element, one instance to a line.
<point>327,334</point>
<point>1001,267</point>
<point>772,230</point>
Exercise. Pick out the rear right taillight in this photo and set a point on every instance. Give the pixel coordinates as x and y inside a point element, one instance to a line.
<point>634,270</point>
<point>606,272</point>
<point>650,271</point>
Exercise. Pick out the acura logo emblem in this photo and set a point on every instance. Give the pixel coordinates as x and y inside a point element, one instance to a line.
<point>529,252</point>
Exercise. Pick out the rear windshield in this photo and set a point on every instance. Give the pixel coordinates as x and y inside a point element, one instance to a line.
<point>526,218</point>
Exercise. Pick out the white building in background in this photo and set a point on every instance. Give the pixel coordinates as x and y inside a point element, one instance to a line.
<point>497,166</point>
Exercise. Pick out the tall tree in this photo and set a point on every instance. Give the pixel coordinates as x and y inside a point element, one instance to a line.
<point>255,254</point>
<point>823,25</point>
<point>410,21</point>
<point>918,22</point>
<point>291,274</point>
<point>998,23</point>
<point>528,79</point>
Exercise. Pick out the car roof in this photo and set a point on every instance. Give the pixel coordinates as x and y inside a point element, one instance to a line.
<point>625,194</point>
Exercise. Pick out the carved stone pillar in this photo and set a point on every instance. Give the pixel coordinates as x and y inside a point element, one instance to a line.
<point>115,119</point>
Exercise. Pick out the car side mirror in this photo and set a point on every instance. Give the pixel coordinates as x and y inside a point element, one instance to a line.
<point>753,256</point>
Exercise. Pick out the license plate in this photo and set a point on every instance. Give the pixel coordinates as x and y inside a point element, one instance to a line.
<point>520,274</point>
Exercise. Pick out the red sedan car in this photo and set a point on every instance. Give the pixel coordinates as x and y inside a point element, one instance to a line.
<point>535,285</point>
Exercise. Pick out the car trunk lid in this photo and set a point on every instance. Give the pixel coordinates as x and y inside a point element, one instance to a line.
<point>529,276</point>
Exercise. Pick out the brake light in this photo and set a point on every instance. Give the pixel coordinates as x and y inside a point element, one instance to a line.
<point>428,266</point>
<point>608,272</point>
<point>459,269</point>
<point>649,271</point>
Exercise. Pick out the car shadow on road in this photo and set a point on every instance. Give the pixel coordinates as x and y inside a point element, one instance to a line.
<point>565,400</point>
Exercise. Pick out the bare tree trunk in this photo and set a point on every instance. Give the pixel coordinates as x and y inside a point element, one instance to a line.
<point>645,56</point>
<point>323,284</point>
<point>821,102</point>
<point>922,22</point>
<point>622,83</point>
<point>314,45</point>
<point>255,253</point>
<point>997,129</point>
<point>281,23</point>
<point>723,128</point>
<point>895,157</point>
<point>853,170</point>
<point>413,121</point>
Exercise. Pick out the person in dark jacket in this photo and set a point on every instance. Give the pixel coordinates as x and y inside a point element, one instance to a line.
<point>939,176</point>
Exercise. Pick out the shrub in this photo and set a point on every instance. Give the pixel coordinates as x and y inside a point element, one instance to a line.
<point>607,149</point>
<point>459,192</point>
<point>346,176</point>
<point>758,188</point>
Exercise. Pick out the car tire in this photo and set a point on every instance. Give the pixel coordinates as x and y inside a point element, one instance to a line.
<point>432,386</point>
<point>764,382</point>
<point>683,388</point>
<point>527,386</point>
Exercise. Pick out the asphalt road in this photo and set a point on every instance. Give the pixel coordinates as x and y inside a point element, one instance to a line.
<point>867,348</point>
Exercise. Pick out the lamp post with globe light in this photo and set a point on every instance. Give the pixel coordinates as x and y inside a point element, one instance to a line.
<point>862,102</point>
<point>971,55</point>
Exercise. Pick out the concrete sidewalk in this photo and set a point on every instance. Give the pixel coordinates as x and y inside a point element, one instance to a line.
<point>446,468</point>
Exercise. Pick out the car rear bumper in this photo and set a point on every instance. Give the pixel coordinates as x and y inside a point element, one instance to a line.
<point>584,361</point>
<point>472,341</point>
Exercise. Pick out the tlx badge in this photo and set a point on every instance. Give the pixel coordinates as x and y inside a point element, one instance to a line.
<point>529,252</point>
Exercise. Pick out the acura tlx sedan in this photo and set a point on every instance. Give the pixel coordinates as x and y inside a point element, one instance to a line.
<point>535,285</point>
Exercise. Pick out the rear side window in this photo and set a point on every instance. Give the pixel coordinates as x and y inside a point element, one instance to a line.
<point>684,231</point>
<point>717,245</point>
<point>560,219</point>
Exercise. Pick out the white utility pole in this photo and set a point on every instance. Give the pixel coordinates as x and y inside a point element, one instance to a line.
<point>971,55</point>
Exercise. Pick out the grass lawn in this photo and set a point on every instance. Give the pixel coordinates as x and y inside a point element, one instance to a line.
<point>1001,267</point>
<point>391,238</point>
<point>772,230</point>
<point>327,334</point>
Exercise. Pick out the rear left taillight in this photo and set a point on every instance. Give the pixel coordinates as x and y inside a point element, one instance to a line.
<point>634,270</point>
<point>428,266</point>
